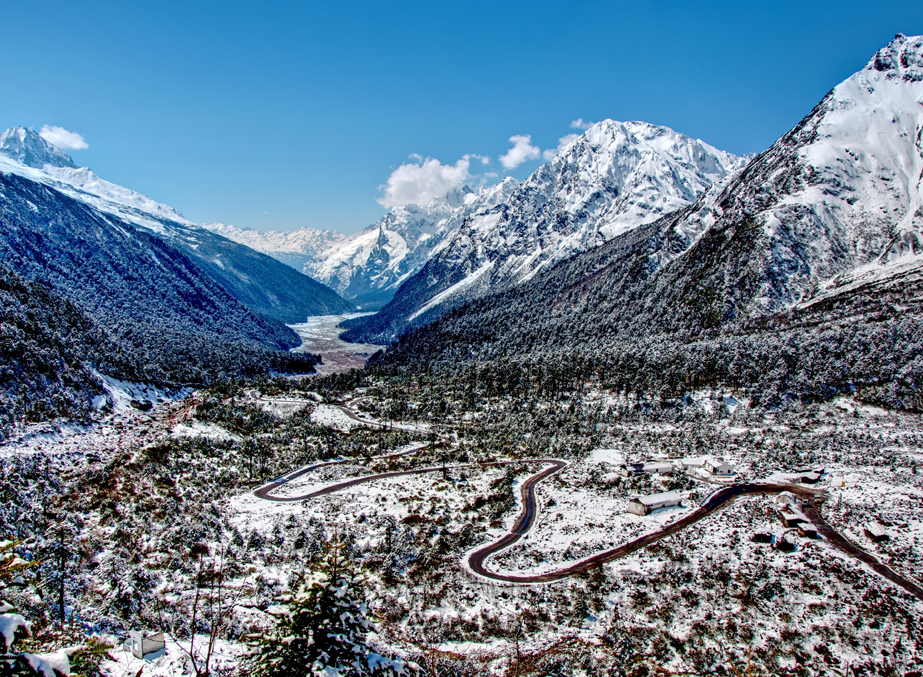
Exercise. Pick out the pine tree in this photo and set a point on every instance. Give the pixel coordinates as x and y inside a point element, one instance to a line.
<point>322,627</point>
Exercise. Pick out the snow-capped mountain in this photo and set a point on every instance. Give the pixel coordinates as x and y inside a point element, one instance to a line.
<point>616,176</point>
<point>258,281</point>
<point>297,248</point>
<point>369,266</point>
<point>27,147</point>
<point>837,199</point>
<point>826,223</point>
<point>57,169</point>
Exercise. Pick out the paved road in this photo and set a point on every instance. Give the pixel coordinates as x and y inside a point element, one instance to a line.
<point>265,491</point>
<point>840,542</point>
<point>477,559</point>
<point>714,502</point>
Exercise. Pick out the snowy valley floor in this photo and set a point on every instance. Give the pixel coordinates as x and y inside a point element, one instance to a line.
<point>152,496</point>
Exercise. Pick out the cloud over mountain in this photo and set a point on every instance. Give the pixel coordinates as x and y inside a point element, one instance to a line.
<point>62,138</point>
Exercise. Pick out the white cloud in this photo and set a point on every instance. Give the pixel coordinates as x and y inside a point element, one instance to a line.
<point>63,139</point>
<point>521,151</point>
<point>580,124</point>
<point>550,153</point>
<point>424,180</point>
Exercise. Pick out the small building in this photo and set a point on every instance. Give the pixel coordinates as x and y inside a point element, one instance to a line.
<point>142,644</point>
<point>792,517</point>
<point>692,463</point>
<point>807,530</point>
<point>786,498</point>
<point>719,467</point>
<point>659,468</point>
<point>762,537</point>
<point>630,469</point>
<point>644,505</point>
<point>876,532</point>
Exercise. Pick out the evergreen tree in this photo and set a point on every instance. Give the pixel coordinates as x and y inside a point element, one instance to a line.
<point>322,627</point>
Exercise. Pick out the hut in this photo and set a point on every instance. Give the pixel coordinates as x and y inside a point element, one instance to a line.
<point>719,467</point>
<point>792,517</point>
<point>876,532</point>
<point>786,498</point>
<point>644,505</point>
<point>140,644</point>
<point>692,462</point>
<point>630,469</point>
<point>807,530</point>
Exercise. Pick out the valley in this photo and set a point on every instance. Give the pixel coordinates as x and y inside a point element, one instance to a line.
<point>652,409</point>
<point>320,335</point>
<point>450,485</point>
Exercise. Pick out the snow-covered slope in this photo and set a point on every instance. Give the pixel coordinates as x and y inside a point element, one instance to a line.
<point>826,223</point>
<point>834,199</point>
<point>297,248</point>
<point>615,177</point>
<point>38,160</point>
<point>370,265</point>
<point>28,148</point>
<point>258,281</point>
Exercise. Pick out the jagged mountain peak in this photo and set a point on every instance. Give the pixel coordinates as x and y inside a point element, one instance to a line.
<point>901,59</point>
<point>457,196</point>
<point>29,148</point>
<point>611,179</point>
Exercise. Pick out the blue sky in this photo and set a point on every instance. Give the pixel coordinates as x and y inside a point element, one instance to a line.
<point>282,115</point>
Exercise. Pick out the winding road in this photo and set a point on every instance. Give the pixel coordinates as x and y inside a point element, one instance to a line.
<point>477,560</point>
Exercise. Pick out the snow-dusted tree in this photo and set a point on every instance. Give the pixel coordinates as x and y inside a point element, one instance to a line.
<point>321,627</point>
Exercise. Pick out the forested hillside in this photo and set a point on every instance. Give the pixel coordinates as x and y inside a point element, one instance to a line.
<point>258,281</point>
<point>44,342</point>
<point>609,314</point>
<point>87,290</point>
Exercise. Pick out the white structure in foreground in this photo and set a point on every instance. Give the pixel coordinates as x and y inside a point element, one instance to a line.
<point>139,644</point>
<point>719,468</point>
<point>644,505</point>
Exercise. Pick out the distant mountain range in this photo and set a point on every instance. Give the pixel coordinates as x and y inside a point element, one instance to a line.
<point>803,269</point>
<point>99,279</point>
<point>636,249</point>
<point>368,267</point>
<point>613,178</point>
<point>256,280</point>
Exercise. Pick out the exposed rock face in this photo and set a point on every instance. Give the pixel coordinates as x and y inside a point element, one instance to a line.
<point>612,179</point>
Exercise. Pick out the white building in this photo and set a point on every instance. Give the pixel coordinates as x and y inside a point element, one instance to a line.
<point>786,498</point>
<point>630,469</point>
<point>877,532</point>
<point>719,467</point>
<point>692,463</point>
<point>140,644</point>
<point>644,505</point>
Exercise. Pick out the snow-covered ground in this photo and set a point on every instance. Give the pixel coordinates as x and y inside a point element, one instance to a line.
<point>174,659</point>
<point>321,335</point>
<point>697,578</point>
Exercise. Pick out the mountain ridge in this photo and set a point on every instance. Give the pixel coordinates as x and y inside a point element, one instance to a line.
<point>796,275</point>
<point>614,177</point>
<point>367,267</point>
<point>257,280</point>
